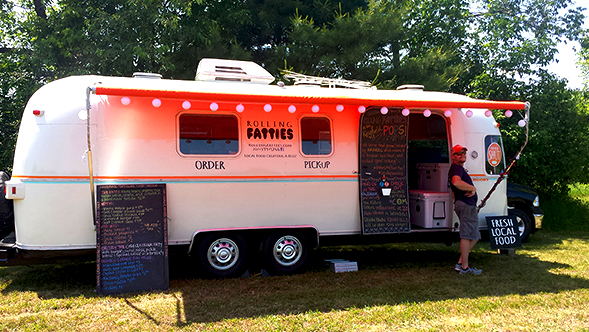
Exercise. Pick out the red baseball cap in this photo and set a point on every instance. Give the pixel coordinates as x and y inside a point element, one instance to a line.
<point>458,148</point>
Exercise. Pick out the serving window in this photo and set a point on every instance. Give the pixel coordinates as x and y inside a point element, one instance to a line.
<point>316,136</point>
<point>209,134</point>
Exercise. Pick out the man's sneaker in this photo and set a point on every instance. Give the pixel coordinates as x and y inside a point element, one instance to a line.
<point>458,267</point>
<point>470,270</point>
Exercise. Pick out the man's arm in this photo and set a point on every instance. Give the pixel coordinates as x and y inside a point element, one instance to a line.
<point>458,183</point>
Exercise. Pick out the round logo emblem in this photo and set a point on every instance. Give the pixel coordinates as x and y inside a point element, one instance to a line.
<point>494,154</point>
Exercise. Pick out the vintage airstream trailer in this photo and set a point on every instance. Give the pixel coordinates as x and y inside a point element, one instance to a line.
<point>250,168</point>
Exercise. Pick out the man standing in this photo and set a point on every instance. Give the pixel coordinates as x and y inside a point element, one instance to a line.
<point>465,206</point>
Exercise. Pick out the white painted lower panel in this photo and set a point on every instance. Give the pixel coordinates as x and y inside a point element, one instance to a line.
<point>58,215</point>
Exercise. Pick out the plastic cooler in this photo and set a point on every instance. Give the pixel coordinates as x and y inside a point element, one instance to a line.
<point>433,177</point>
<point>430,209</point>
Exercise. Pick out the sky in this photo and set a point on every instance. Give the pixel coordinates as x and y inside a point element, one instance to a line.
<point>566,66</point>
<point>567,57</point>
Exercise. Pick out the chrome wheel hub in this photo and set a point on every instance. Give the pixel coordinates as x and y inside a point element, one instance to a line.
<point>223,254</point>
<point>288,250</point>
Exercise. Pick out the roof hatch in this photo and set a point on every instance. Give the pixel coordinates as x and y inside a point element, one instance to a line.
<point>232,71</point>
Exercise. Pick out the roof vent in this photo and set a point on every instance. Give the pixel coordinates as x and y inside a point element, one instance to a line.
<point>232,71</point>
<point>147,75</point>
<point>410,87</point>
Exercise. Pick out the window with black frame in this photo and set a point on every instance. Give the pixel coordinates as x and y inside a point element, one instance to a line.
<point>208,134</point>
<point>316,136</point>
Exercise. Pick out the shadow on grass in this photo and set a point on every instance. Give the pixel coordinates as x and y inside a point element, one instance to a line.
<point>388,275</point>
<point>51,280</point>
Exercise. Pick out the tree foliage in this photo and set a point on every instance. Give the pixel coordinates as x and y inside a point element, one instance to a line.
<point>583,61</point>
<point>556,155</point>
<point>495,49</point>
<point>520,37</point>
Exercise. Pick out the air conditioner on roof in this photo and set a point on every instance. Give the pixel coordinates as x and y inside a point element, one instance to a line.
<point>232,71</point>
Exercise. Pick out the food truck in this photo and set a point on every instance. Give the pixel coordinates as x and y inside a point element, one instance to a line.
<point>251,169</point>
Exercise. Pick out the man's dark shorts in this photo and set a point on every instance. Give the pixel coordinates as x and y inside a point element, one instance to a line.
<point>469,220</point>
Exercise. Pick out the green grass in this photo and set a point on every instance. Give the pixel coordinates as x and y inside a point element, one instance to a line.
<point>567,213</point>
<point>399,287</point>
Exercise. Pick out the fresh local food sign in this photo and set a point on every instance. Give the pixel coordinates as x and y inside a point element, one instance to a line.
<point>503,232</point>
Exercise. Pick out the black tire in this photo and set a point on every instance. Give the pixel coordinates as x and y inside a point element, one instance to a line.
<point>223,255</point>
<point>285,253</point>
<point>524,223</point>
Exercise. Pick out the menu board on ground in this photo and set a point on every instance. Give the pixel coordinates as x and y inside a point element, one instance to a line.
<point>132,239</point>
<point>383,167</point>
<point>503,232</point>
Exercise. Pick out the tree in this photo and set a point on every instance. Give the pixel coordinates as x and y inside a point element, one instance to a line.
<point>517,39</point>
<point>513,43</point>
<point>352,46</point>
<point>17,83</point>
<point>382,43</point>
<point>557,154</point>
<point>495,49</point>
<point>583,61</point>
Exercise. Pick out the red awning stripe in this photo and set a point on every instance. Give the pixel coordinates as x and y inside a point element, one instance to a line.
<point>299,99</point>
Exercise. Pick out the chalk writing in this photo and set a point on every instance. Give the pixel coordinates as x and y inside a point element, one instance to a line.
<point>132,251</point>
<point>383,163</point>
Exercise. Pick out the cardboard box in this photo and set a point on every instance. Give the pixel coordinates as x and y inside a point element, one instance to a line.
<point>341,265</point>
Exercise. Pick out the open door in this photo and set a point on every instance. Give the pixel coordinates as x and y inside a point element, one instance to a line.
<point>383,171</point>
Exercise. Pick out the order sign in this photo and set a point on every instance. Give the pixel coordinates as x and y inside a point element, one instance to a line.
<point>494,154</point>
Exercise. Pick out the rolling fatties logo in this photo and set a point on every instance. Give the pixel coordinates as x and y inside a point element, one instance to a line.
<point>280,130</point>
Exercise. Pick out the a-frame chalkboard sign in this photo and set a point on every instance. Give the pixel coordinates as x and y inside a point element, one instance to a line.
<point>132,238</point>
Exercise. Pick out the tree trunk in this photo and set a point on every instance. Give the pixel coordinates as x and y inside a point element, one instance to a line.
<point>40,9</point>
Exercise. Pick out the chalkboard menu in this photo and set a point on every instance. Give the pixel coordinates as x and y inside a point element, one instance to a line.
<point>503,232</point>
<point>383,167</point>
<point>132,239</point>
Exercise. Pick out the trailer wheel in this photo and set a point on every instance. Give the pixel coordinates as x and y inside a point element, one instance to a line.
<point>223,256</point>
<point>285,253</point>
<point>523,223</point>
